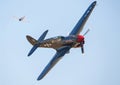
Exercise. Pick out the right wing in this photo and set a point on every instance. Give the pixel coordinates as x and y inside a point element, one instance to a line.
<point>60,53</point>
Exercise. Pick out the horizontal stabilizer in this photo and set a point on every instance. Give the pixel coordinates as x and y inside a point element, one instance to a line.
<point>36,43</point>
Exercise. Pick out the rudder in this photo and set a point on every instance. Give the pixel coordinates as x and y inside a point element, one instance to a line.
<point>31,40</point>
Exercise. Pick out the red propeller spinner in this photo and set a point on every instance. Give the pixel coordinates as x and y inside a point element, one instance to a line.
<point>80,38</point>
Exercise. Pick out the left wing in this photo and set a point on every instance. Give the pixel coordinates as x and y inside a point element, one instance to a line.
<point>79,26</point>
<point>60,53</point>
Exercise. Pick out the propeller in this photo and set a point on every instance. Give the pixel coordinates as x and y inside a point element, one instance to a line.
<point>82,48</point>
<point>82,43</point>
<point>86,32</point>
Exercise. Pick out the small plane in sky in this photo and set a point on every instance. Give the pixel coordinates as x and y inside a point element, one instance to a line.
<point>19,18</point>
<point>22,18</point>
<point>62,44</point>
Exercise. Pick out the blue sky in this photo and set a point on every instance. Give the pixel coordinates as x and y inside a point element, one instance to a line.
<point>98,66</point>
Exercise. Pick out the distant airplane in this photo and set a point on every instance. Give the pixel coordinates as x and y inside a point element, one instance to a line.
<point>62,44</point>
<point>21,19</point>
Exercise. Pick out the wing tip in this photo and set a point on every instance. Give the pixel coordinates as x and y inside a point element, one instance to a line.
<point>29,54</point>
<point>39,78</point>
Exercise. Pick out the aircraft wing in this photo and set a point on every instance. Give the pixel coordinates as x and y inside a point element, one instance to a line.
<point>59,54</point>
<point>79,26</point>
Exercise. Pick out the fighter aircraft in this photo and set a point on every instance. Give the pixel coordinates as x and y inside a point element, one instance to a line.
<point>22,18</point>
<point>19,18</point>
<point>62,44</point>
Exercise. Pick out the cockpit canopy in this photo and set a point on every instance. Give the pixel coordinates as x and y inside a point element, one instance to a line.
<point>71,37</point>
<point>59,37</point>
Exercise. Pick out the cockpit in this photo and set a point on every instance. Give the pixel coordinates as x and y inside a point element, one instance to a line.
<point>58,37</point>
<point>71,37</point>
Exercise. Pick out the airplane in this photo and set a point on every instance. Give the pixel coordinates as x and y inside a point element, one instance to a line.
<point>19,18</point>
<point>62,44</point>
<point>22,18</point>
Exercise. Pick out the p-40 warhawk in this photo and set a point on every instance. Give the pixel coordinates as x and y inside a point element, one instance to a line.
<point>61,44</point>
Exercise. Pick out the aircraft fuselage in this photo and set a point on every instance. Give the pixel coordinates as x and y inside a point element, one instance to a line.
<point>59,41</point>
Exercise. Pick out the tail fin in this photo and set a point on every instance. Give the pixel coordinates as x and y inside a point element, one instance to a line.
<point>31,40</point>
<point>35,43</point>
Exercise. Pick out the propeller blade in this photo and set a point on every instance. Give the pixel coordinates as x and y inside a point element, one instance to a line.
<point>82,49</point>
<point>86,32</point>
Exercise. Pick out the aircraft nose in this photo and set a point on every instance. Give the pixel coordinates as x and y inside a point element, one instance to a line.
<point>80,38</point>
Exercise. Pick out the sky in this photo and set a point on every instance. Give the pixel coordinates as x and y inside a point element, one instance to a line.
<point>100,65</point>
